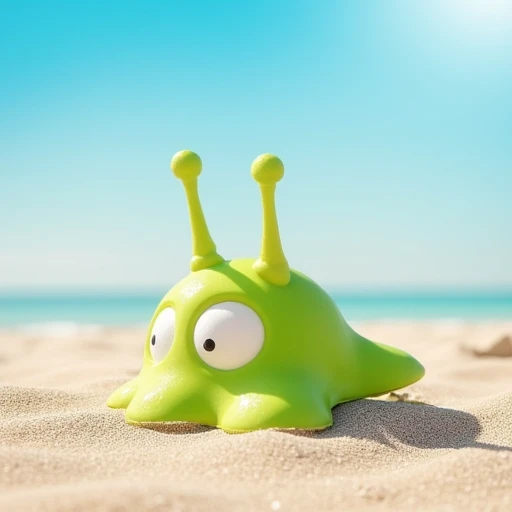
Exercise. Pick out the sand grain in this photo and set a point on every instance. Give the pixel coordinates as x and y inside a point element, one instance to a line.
<point>61,448</point>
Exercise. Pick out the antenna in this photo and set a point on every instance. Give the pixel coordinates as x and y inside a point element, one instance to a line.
<point>186,166</point>
<point>271,266</point>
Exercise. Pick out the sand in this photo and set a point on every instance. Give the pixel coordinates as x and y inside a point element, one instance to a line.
<point>445,443</point>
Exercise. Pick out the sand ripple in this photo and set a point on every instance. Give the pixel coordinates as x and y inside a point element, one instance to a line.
<point>61,448</point>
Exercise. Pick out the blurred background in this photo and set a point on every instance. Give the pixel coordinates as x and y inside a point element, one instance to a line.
<point>393,119</point>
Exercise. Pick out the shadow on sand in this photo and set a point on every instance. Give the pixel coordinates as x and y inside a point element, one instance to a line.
<point>419,425</point>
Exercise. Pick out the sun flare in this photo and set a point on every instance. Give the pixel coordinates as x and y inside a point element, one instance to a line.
<point>473,17</point>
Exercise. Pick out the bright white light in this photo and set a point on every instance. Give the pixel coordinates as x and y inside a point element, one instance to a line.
<point>460,33</point>
<point>481,12</point>
<point>488,19</point>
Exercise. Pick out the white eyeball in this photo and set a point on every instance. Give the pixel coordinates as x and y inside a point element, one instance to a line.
<point>162,334</point>
<point>228,335</point>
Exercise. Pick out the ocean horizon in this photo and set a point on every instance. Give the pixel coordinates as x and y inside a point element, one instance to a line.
<point>137,308</point>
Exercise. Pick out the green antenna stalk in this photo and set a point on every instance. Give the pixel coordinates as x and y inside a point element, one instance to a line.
<point>186,166</point>
<point>271,266</point>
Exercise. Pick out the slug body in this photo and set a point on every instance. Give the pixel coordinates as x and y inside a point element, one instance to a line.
<point>252,344</point>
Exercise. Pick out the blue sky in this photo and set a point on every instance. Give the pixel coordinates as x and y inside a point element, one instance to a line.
<point>393,119</point>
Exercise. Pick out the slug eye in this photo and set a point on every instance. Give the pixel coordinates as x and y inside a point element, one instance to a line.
<point>228,335</point>
<point>162,334</point>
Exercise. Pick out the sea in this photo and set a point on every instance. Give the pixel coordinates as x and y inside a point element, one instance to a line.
<point>137,309</point>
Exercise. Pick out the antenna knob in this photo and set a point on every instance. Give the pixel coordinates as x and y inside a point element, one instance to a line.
<point>186,165</point>
<point>267,169</point>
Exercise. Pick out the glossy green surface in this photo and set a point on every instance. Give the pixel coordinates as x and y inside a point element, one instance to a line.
<point>310,360</point>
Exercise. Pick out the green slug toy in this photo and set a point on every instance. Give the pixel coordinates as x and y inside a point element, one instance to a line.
<point>252,344</point>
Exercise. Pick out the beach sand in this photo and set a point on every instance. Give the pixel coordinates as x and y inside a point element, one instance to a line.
<point>448,446</point>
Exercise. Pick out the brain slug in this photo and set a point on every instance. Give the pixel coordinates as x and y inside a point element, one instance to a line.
<point>251,344</point>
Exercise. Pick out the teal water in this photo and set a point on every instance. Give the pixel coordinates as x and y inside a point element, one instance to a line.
<point>119,309</point>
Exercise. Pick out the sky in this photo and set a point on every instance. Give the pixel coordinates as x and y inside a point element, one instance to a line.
<point>393,120</point>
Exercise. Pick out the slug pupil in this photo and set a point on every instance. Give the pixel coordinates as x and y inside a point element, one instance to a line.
<point>153,339</point>
<point>209,345</point>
